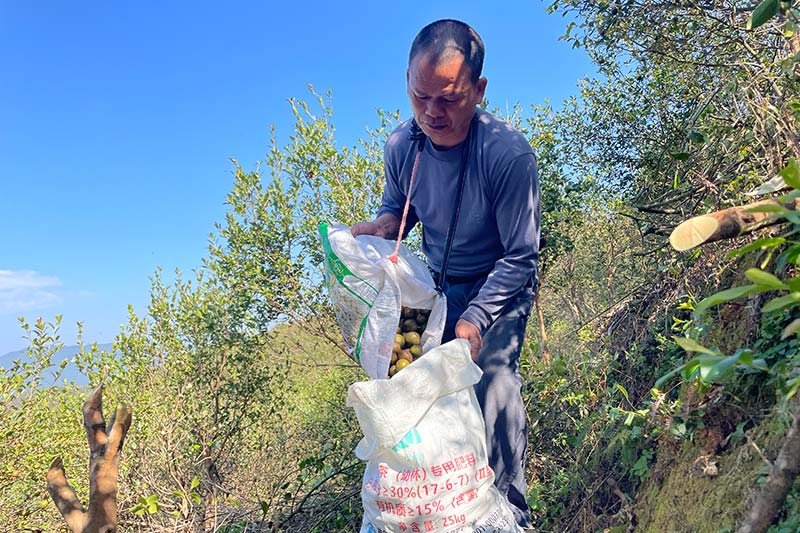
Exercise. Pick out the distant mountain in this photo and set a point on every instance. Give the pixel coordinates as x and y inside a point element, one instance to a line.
<point>71,372</point>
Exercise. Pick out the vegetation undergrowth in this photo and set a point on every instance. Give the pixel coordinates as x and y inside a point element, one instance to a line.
<point>237,373</point>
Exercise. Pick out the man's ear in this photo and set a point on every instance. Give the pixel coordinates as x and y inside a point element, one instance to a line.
<point>480,89</point>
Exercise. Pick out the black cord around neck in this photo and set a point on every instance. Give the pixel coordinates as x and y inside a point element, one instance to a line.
<point>417,134</point>
<point>440,283</point>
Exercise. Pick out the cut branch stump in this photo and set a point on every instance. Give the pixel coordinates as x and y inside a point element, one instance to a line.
<point>105,447</point>
<point>725,224</point>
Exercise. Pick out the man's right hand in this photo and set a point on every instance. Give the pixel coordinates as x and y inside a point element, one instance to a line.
<point>385,226</point>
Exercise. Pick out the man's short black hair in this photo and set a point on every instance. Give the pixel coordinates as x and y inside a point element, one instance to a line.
<point>448,35</point>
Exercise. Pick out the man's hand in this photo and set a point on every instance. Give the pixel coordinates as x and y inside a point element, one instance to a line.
<point>468,330</point>
<point>365,228</point>
<point>385,226</point>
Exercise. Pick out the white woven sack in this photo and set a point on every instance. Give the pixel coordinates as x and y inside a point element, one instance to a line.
<point>425,447</point>
<point>368,290</point>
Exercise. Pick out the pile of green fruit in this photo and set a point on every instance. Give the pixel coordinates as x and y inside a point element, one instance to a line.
<point>407,341</point>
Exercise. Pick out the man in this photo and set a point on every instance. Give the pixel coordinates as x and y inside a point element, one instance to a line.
<point>491,265</point>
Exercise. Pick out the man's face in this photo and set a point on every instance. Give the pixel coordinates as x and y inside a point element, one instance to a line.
<point>443,98</point>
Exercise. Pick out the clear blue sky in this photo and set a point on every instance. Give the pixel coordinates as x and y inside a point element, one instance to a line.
<point>118,119</point>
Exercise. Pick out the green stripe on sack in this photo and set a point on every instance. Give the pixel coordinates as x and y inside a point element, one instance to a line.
<point>412,437</point>
<point>357,349</point>
<point>335,265</point>
<point>339,270</point>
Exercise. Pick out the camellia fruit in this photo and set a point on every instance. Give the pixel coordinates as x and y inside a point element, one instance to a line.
<point>409,324</point>
<point>412,338</point>
<point>407,346</point>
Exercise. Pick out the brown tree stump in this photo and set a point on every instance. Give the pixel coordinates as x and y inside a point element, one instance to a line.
<point>105,447</point>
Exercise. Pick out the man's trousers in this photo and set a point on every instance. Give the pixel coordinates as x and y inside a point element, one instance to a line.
<point>499,390</point>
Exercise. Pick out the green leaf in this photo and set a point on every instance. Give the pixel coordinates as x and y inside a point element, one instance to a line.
<point>791,195</point>
<point>691,368</point>
<point>792,216</point>
<point>623,391</point>
<point>792,255</point>
<point>767,208</point>
<point>666,377</point>
<point>680,156</point>
<point>697,137</point>
<point>629,418</point>
<point>765,279</point>
<point>760,244</point>
<point>706,365</point>
<point>745,356</point>
<point>792,329</point>
<point>721,370</point>
<point>791,174</point>
<point>642,467</point>
<point>762,13</point>
<point>724,296</point>
<point>793,385</point>
<point>195,483</point>
<point>693,346</point>
<point>781,302</point>
<point>147,505</point>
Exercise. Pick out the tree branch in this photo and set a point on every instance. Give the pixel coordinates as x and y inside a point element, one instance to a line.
<point>64,496</point>
<point>769,502</point>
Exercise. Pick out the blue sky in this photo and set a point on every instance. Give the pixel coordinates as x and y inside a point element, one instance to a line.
<point>118,119</point>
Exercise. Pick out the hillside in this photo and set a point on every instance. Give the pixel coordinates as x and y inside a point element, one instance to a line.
<point>70,373</point>
<point>661,386</point>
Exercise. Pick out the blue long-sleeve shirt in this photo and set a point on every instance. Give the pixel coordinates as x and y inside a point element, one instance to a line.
<point>498,227</point>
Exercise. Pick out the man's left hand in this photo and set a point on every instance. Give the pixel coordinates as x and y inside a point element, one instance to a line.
<point>468,330</point>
